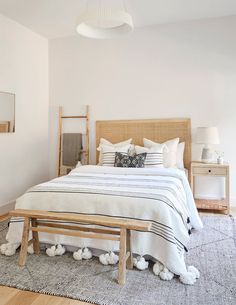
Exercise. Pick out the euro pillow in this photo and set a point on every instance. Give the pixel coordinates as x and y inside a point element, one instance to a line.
<point>108,153</point>
<point>122,160</point>
<point>107,143</point>
<point>180,155</point>
<point>154,155</point>
<point>169,152</point>
<point>123,143</point>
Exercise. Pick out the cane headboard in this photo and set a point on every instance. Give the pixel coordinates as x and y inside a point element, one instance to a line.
<point>159,130</point>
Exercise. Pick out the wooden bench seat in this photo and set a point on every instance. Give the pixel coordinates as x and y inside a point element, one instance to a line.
<point>120,230</point>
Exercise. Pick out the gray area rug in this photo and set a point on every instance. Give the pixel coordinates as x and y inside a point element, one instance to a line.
<point>212,251</point>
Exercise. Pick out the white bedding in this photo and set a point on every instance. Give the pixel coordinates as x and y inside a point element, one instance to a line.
<point>160,195</point>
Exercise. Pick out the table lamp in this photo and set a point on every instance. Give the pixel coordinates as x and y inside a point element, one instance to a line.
<point>208,136</point>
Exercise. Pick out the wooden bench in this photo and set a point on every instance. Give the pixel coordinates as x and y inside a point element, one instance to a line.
<point>34,221</point>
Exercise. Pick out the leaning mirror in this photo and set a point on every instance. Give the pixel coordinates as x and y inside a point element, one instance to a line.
<point>7,112</point>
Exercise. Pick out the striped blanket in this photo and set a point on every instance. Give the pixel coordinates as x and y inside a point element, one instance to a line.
<point>159,195</point>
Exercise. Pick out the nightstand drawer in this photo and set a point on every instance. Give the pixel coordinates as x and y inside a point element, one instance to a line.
<point>209,171</point>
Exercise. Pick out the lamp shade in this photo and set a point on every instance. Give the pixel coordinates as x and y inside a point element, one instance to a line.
<point>104,23</point>
<point>207,135</point>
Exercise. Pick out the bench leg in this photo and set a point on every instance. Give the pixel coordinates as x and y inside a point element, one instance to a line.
<point>24,242</point>
<point>122,257</point>
<point>35,236</point>
<point>130,263</point>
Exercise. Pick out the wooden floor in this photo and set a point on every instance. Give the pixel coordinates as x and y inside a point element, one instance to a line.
<point>11,296</point>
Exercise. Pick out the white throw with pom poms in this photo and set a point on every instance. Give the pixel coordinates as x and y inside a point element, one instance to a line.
<point>9,249</point>
<point>109,258</point>
<point>84,253</point>
<point>140,263</point>
<point>190,276</point>
<point>56,250</point>
<point>164,273</point>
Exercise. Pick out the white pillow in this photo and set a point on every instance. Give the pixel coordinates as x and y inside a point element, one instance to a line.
<point>154,157</point>
<point>108,152</point>
<point>123,143</point>
<point>107,143</point>
<point>180,155</point>
<point>169,153</point>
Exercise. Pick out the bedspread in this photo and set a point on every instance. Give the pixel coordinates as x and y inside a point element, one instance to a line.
<point>162,196</point>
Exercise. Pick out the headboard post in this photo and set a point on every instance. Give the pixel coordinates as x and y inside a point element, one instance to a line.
<point>159,130</point>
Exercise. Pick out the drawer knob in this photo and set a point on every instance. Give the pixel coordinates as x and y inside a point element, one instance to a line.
<point>209,170</point>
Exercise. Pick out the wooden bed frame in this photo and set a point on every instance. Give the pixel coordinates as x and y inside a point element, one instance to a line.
<point>159,130</point>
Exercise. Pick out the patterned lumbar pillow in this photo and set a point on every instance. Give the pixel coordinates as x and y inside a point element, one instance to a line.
<point>122,160</point>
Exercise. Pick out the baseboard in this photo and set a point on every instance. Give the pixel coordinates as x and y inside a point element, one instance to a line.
<point>7,207</point>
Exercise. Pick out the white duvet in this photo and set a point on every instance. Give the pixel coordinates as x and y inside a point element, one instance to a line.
<point>159,195</point>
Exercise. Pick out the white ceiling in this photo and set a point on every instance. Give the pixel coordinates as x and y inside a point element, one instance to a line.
<point>57,18</point>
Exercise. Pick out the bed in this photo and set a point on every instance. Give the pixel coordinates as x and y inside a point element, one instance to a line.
<point>160,195</point>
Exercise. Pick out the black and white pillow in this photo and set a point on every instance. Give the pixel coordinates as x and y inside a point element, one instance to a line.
<point>124,160</point>
<point>105,143</point>
<point>108,154</point>
<point>154,156</point>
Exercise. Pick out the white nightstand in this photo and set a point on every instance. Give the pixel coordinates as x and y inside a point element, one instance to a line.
<point>214,170</point>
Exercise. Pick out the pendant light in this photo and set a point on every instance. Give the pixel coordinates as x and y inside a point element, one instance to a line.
<point>104,23</point>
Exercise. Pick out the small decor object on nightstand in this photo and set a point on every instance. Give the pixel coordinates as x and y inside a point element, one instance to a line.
<point>208,136</point>
<point>211,170</point>
<point>220,157</point>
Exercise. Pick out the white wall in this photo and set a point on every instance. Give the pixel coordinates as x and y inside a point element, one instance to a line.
<point>23,71</point>
<point>178,70</point>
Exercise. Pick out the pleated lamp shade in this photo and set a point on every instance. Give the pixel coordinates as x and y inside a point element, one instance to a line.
<point>104,23</point>
<point>207,135</point>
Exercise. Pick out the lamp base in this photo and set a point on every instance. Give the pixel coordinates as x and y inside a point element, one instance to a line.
<point>207,155</point>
